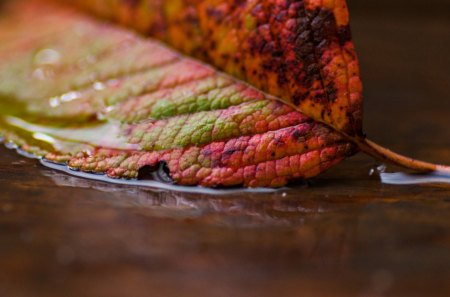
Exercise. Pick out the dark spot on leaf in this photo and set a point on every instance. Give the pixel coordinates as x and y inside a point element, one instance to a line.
<point>229,151</point>
<point>296,134</point>
<point>331,92</point>
<point>277,53</point>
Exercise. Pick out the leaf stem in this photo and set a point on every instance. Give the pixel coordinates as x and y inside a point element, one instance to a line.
<point>378,152</point>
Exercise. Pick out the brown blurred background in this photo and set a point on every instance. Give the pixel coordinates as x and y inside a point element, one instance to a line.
<point>404,51</point>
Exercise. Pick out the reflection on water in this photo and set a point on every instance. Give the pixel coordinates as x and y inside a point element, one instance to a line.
<point>287,222</point>
<point>260,207</point>
<point>400,178</point>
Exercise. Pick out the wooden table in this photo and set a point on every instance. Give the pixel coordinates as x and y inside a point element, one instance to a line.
<point>344,234</point>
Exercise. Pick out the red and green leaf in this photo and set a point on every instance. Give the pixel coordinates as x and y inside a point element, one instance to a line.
<point>105,100</point>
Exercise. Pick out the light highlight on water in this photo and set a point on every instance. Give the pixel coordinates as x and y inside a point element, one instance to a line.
<point>400,178</point>
<point>154,183</point>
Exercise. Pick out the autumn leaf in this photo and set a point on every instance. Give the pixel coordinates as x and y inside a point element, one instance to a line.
<point>105,100</point>
<point>298,51</point>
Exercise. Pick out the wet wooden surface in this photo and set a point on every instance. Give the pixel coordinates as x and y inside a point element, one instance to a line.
<point>344,234</point>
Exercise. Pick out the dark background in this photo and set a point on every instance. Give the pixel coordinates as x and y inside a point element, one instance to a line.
<point>404,49</point>
<point>346,234</point>
<point>409,8</point>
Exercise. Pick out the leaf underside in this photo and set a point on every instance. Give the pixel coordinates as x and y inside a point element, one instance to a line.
<point>105,100</point>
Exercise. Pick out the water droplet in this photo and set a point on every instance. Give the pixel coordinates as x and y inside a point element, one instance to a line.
<point>54,101</point>
<point>98,86</point>
<point>109,109</point>
<point>378,169</point>
<point>67,97</point>
<point>43,137</point>
<point>39,74</point>
<point>47,56</point>
<point>381,168</point>
<point>70,96</point>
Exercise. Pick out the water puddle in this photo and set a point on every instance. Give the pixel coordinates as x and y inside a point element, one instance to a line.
<point>401,178</point>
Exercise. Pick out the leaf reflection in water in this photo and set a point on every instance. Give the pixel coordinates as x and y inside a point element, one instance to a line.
<point>229,207</point>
